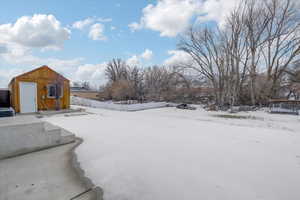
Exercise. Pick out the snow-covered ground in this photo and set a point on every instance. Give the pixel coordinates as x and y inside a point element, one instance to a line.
<point>113,106</point>
<point>171,154</point>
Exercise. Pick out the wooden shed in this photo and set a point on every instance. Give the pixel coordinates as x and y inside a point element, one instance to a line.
<point>39,89</point>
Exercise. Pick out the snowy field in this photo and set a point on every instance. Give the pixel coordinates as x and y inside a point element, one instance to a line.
<point>113,106</point>
<point>171,154</point>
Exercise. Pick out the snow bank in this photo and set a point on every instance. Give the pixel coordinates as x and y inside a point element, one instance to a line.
<point>172,154</point>
<point>112,106</point>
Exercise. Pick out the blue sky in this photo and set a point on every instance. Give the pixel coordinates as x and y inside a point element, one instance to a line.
<point>142,32</point>
<point>121,42</point>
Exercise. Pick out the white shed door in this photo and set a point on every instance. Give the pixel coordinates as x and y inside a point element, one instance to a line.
<point>28,95</point>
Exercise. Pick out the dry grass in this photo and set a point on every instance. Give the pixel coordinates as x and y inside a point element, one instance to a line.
<point>229,116</point>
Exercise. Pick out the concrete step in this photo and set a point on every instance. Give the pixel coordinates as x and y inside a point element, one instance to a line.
<point>21,124</point>
<point>22,138</point>
<point>19,135</point>
<point>67,137</point>
<point>60,135</point>
<point>53,133</point>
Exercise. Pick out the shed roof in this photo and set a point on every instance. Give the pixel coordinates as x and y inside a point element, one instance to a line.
<point>39,68</point>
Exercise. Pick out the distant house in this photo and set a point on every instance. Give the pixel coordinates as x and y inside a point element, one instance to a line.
<point>39,89</point>
<point>294,91</point>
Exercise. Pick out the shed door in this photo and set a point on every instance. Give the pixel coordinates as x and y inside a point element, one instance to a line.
<point>28,98</point>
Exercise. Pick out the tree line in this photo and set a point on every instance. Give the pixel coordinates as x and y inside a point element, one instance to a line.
<point>253,57</point>
<point>155,83</point>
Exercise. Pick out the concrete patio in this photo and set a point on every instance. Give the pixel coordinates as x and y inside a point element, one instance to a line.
<point>49,170</point>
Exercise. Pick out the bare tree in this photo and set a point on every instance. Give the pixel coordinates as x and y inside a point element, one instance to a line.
<point>126,78</point>
<point>86,85</point>
<point>76,84</point>
<point>122,90</point>
<point>250,54</point>
<point>237,53</point>
<point>116,70</point>
<point>206,47</point>
<point>136,77</point>
<point>282,31</point>
<point>154,82</point>
<point>255,20</point>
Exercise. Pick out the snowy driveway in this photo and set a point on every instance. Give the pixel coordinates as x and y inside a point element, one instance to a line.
<point>169,154</point>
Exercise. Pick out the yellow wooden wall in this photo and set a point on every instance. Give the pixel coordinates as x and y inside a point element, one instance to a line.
<point>42,77</point>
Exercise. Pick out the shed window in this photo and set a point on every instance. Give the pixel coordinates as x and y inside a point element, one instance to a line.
<point>54,90</point>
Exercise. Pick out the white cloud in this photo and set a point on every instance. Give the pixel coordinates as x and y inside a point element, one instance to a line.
<point>95,74</point>
<point>134,26</point>
<point>20,59</point>
<point>38,31</point>
<point>172,17</point>
<point>81,24</point>
<point>178,57</point>
<point>133,61</point>
<point>97,32</point>
<point>18,40</point>
<point>3,48</point>
<point>20,56</point>
<point>136,60</point>
<point>73,69</point>
<point>217,10</point>
<point>147,55</point>
<point>6,75</point>
<point>169,17</point>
